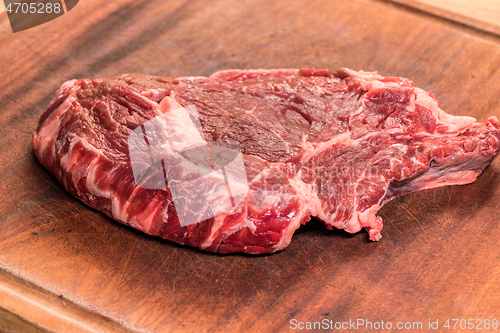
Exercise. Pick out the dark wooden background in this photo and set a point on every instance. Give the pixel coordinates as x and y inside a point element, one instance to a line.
<point>439,257</point>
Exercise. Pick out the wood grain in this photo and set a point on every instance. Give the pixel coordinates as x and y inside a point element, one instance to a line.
<point>27,308</point>
<point>449,13</point>
<point>439,256</point>
<point>487,11</point>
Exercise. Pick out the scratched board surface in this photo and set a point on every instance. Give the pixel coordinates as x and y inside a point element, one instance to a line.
<point>439,255</point>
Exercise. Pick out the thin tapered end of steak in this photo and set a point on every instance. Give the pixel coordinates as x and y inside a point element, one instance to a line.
<point>236,162</point>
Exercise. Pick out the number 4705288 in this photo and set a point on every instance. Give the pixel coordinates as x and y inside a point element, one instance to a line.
<point>39,8</point>
<point>471,324</point>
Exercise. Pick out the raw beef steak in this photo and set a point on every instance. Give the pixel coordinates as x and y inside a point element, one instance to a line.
<point>337,146</point>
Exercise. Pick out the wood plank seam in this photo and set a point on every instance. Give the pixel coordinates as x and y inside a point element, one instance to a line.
<point>40,308</point>
<point>454,18</point>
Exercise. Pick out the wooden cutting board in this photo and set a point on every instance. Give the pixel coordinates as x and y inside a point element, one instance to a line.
<point>65,267</point>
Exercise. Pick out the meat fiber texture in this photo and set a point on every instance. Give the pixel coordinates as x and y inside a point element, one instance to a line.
<point>336,146</point>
